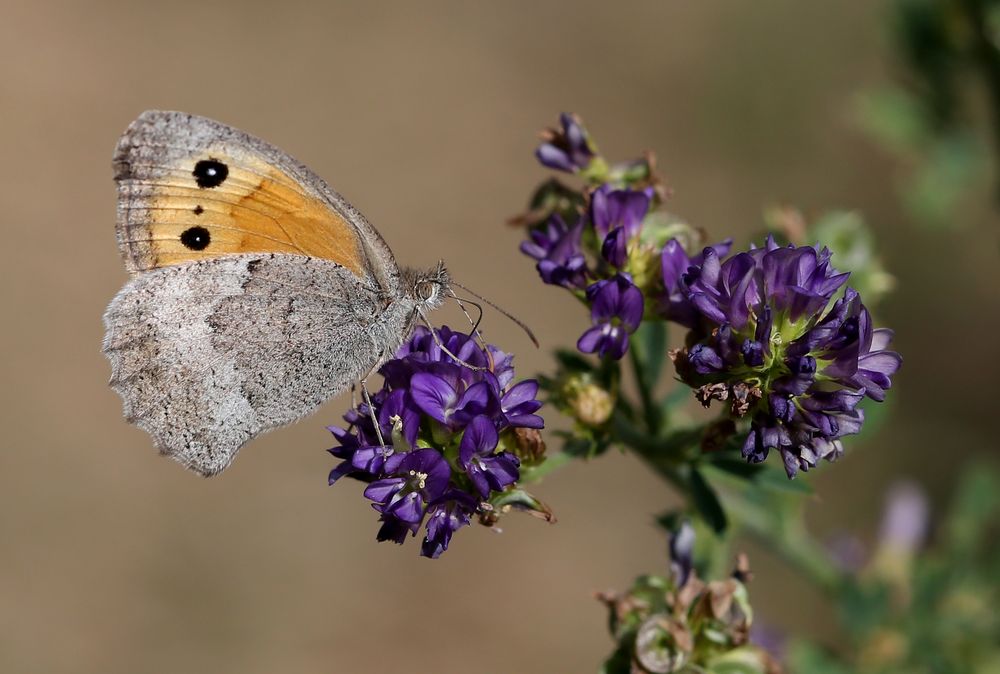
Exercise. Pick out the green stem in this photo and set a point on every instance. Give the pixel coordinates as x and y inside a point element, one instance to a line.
<point>552,462</point>
<point>650,411</point>
<point>785,534</point>
<point>788,537</point>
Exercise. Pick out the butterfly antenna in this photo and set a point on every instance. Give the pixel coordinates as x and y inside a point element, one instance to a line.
<point>479,308</point>
<point>475,325</point>
<point>521,324</point>
<point>437,340</point>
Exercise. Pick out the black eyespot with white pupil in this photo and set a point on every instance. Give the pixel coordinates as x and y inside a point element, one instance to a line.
<point>196,238</point>
<point>210,173</point>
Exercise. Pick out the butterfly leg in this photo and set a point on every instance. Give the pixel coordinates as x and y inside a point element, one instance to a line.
<point>371,411</point>
<point>368,400</point>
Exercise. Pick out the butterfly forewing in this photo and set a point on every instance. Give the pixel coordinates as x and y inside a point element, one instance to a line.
<point>191,188</point>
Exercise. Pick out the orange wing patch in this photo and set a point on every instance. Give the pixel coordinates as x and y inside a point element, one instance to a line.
<point>212,205</point>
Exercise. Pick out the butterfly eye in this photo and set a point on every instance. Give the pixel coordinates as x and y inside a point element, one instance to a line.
<point>426,290</point>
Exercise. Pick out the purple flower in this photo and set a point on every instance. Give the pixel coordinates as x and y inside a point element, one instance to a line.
<point>617,219</point>
<point>904,519</point>
<point>568,149</point>
<point>413,480</point>
<point>429,408</point>
<point>681,546</point>
<point>766,328</point>
<point>447,515</point>
<point>616,311</point>
<point>677,266</point>
<point>518,405</point>
<point>556,246</point>
<point>488,470</point>
<point>448,399</point>
<point>611,208</point>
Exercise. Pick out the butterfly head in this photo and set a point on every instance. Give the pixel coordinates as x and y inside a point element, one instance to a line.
<point>428,288</point>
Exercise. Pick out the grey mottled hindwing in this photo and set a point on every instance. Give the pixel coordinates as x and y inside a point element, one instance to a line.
<point>207,355</point>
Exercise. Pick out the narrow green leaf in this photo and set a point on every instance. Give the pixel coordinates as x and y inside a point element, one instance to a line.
<point>774,478</point>
<point>707,503</point>
<point>573,361</point>
<point>651,340</point>
<point>735,466</point>
<point>647,352</point>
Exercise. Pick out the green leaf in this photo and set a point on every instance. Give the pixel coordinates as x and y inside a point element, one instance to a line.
<point>706,502</point>
<point>735,467</point>
<point>893,117</point>
<point>775,479</point>
<point>678,395</point>
<point>620,662</point>
<point>650,343</point>
<point>647,351</point>
<point>975,506</point>
<point>573,361</point>
<point>744,660</point>
<point>764,476</point>
<point>804,657</point>
<point>519,499</point>
<point>582,446</point>
<point>627,433</point>
<point>670,520</point>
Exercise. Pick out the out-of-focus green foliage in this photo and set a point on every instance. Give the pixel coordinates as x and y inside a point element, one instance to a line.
<point>937,121</point>
<point>850,239</point>
<point>933,611</point>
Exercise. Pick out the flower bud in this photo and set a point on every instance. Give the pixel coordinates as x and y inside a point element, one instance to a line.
<point>591,405</point>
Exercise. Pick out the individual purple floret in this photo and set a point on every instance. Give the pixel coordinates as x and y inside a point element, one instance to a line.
<point>616,311</point>
<point>447,515</point>
<point>556,246</point>
<point>568,149</point>
<point>447,436</point>
<point>676,305</point>
<point>488,469</point>
<point>413,479</point>
<point>768,337</point>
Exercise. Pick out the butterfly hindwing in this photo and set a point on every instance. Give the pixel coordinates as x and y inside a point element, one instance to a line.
<point>208,355</point>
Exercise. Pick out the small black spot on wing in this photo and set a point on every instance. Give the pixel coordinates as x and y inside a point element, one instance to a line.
<point>196,238</point>
<point>198,210</point>
<point>210,173</point>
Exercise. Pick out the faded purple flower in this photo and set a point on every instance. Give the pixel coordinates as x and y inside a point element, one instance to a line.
<point>906,517</point>
<point>682,553</point>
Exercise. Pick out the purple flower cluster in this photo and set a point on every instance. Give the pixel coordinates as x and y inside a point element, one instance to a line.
<point>768,336</point>
<point>447,436</point>
<point>599,255</point>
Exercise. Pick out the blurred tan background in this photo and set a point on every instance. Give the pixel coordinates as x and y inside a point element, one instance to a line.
<point>115,560</point>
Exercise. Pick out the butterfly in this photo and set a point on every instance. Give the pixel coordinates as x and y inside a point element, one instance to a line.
<point>256,292</point>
